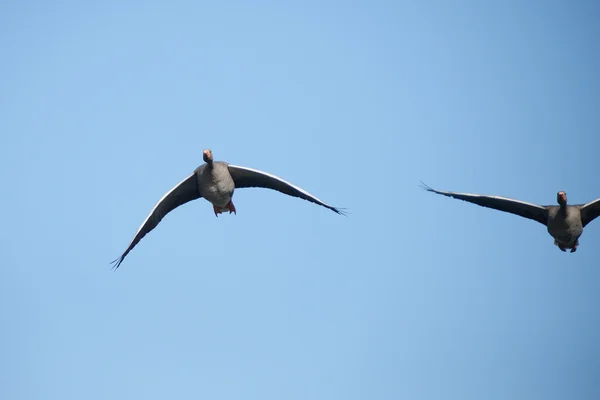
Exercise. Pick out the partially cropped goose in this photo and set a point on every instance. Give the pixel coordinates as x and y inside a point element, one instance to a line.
<point>564,222</point>
<point>216,182</point>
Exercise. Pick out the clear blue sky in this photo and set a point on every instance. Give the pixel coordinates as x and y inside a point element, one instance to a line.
<point>105,106</point>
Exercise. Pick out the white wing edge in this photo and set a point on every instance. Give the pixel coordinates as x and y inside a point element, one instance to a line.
<point>491,197</point>
<point>156,205</point>
<point>281,180</point>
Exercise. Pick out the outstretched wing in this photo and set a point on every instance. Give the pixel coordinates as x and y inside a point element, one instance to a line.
<point>521,208</point>
<point>590,211</point>
<point>184,191</point>
<point>244,177</point>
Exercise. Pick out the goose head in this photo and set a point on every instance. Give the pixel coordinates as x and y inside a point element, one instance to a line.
<point>207,156</point>
<point>561,198</point>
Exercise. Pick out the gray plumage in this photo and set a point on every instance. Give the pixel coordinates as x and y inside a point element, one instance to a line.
<point>564,222</point>
<point>215,181</point>
<point>564,225</point>
<point>215,184</point>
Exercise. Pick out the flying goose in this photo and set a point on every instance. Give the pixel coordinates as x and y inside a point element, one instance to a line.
<point>564,222</point>
<point>216,182</point>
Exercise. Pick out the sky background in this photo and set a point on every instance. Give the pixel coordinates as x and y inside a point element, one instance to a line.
<point>105,106</point>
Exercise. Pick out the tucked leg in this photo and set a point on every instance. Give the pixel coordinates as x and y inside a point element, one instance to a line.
<point>559,245</point>
<point>231,207</point>
<point>574,248</point>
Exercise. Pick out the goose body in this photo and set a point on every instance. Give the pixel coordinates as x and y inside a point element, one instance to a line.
<point>564,222</point>
<point>216,181</point>
<point>564,225</point>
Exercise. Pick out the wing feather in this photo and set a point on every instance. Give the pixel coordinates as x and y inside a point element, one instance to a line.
<point>521,208</point>
<point>590,212</point>
<point>183,192</point>
<point>245,177</point>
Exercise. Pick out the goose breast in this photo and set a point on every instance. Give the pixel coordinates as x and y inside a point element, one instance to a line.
<point>565,226</point>
<point>216,184</point>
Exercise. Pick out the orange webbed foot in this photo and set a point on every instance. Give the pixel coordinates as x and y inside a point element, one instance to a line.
<point>231,207</point>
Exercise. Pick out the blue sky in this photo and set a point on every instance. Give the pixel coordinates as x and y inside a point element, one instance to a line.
<point>105,106</point>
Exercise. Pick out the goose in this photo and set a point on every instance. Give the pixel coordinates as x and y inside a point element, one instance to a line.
<point>564,222</point>
<point>216,181</point>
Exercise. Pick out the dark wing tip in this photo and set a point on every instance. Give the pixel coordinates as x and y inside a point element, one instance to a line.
<point>338,210</point>
<point>424,186</point>
<point>117,262</point>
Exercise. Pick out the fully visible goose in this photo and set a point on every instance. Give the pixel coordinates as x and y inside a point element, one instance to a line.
<point>564,222</point>
<point>216,181</point>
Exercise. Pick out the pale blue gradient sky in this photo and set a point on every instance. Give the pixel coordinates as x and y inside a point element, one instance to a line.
<point>105,106</point>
